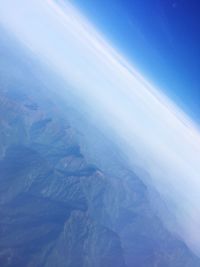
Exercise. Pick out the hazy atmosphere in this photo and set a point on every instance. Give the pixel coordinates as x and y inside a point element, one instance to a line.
<point>152,135</point>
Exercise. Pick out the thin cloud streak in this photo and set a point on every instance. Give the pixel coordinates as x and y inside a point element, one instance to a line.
<point>137,115</point>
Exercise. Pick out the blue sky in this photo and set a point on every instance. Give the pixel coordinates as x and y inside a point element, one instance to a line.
<point>161,37</point>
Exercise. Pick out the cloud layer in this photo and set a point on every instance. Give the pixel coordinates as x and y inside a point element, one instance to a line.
<point>154,134</point>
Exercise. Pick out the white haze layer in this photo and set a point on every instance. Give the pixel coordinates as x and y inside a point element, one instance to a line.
<point>155,134</point>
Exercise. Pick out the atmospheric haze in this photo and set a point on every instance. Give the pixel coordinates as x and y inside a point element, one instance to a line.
<point>151,131</point>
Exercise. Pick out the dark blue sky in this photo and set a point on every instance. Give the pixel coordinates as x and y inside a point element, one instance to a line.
<point>161,38</point>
